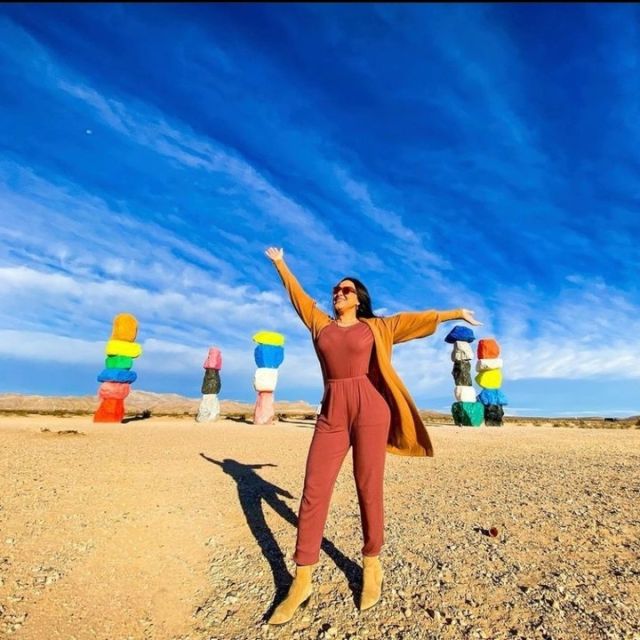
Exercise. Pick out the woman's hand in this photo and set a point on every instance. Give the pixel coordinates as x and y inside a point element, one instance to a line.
<point>467,315</point>
<point>275,254</point>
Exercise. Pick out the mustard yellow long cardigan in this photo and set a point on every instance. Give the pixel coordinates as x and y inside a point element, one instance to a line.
<point>407,435</point>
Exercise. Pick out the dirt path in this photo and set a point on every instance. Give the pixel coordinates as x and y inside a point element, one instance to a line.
<point>166,529</point>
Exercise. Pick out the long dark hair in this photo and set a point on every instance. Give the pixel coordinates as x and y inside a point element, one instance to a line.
<point>364,309</point>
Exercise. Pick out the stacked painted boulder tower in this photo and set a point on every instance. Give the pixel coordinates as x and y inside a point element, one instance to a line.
<point>269,355</point>
<point>209,409</point>
<point>465,410</point>
<point>116,377</point>
<point>489,368</point>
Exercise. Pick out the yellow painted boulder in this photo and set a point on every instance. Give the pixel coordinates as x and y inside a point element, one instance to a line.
<point>122,348</point>
<point>269,337</point>
<point>490,378</point>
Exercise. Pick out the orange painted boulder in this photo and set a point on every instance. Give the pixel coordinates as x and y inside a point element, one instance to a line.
<point>488,348</point>
<point>110,410</point>
<point>125,327</point>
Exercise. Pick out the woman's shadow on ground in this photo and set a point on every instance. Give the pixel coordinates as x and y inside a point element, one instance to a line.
<point>252,492</point>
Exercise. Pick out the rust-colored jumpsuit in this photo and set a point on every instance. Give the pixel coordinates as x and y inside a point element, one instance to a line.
<point>353,414</point>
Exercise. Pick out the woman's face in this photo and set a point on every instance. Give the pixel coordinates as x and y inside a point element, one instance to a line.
<point>345,296</point>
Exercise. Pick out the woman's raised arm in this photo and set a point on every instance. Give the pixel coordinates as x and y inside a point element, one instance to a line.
<point>303,303</point>
<point>419,324</point>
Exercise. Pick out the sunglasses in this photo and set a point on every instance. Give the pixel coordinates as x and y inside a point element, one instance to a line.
<point>345,291</point>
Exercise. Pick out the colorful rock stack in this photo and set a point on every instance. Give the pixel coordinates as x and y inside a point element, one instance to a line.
<point>116,377</point>
<point>209,409</point>
<point>269,355</point>
<point>489,368</point>
<point>465,410</point>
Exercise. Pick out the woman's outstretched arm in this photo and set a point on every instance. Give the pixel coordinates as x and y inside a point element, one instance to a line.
<point>302,302</point>
<point>419,324</point>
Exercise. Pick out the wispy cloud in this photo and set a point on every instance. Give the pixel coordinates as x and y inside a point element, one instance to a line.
<point>178,143</point>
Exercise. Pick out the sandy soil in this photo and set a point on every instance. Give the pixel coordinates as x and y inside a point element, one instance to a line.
<point>168,529</point>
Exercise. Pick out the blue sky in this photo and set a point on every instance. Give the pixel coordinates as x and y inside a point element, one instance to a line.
<point>481,156</point>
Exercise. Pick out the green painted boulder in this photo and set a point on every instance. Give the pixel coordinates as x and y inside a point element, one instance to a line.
<point>468,414</point>
<point>118,362</point>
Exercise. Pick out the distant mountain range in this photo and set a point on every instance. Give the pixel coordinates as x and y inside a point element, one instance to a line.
<point>157,403</point>
<point>172,404</point>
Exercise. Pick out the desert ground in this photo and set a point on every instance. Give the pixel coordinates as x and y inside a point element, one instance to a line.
<point>164,528</point>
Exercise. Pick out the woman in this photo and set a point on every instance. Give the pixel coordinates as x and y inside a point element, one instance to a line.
<point>365,406</point>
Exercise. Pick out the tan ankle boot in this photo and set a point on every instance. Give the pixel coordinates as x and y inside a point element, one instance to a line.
<point>299,594</point>
<point>372,577</point>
